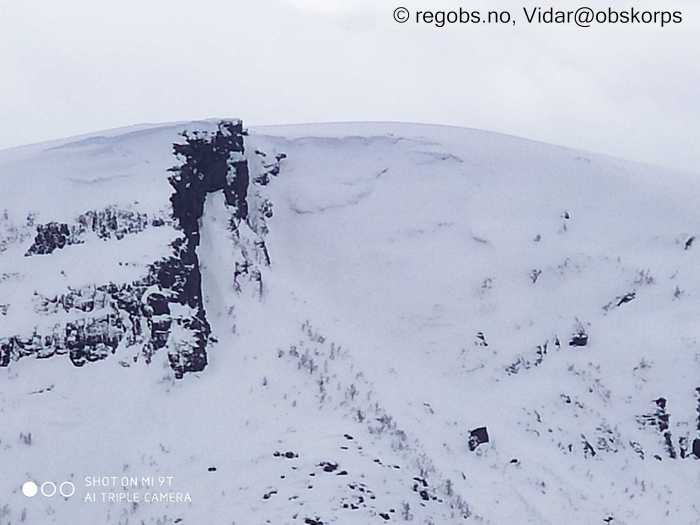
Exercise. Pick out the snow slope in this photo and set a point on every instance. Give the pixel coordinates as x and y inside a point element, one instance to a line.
<point>424,282</point>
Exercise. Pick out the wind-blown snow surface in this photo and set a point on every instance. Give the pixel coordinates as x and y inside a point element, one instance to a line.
<point>347,392</point>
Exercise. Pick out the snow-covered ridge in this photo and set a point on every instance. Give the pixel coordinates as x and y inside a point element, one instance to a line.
<point>418,290</point>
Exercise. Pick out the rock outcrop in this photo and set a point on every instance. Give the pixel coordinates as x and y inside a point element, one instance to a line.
<point>164,308</point>
<point>109,223</point>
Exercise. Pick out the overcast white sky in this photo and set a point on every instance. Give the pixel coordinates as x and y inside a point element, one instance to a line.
<point>74,66</point>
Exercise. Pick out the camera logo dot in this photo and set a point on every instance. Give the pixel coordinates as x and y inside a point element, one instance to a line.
<point>29,489</point>
<point>66,489</point>
<point>48,489</point>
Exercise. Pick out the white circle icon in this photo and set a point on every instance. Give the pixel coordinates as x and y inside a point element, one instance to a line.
<point>48,489</point>
<point>66,489</point>
<point>29,489</point>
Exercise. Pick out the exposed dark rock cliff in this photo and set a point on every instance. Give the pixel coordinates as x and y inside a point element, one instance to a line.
<point>109,223</point>
<point>164,309</point>
<point>211,162</point>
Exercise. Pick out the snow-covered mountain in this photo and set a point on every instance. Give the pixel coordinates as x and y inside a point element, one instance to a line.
<point>345,324</point>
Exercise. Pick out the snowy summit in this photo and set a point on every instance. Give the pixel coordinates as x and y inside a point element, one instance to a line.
<point>345,324</point>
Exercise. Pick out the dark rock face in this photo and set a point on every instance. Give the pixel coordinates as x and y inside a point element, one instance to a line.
<point>50,237</point>
<point>619,301</point>
<point>696,448</point>
<point>580,336</point>
<point>106,317</point>
<point>660,420</point>
<point>111,222</point>
<point>236,189</point>
<point>271,167</point>
<point>211,162</point>
<point>89,338</point>
<point>628,297</point>
<point>579,339</point>
<point>477,437</point>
